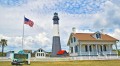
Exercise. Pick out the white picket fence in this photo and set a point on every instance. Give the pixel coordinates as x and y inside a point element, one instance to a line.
<point>77,58</point>
<point>69,58</point>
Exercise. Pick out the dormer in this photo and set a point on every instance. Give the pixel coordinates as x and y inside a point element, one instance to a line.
<point>97,35</point>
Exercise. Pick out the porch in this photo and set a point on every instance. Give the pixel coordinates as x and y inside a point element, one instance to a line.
<point>94,50</point>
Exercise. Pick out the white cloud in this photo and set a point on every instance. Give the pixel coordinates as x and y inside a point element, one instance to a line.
<point>116,33</point>
<point>116,2</point>
<point>30,42</point>
<point>40,36</point>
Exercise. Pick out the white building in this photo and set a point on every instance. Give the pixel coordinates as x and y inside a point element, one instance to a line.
<point>40,53</point>
<point>10,54</point>
<point>91,44</point>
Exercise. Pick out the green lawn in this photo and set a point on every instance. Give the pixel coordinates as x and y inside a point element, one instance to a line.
<point>71,63</point>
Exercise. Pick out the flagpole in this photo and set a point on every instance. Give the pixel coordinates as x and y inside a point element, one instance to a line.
<point>23,36</point>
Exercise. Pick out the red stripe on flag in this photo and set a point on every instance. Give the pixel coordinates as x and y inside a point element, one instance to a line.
<point>30,23</point>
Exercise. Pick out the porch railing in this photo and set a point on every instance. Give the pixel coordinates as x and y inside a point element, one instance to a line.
<point>105,53</point>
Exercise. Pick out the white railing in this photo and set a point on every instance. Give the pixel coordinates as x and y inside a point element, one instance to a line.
<point>96,58</point>
<point>99,54</point>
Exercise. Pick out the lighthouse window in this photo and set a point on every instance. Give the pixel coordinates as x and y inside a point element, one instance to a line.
<point>55,22</point>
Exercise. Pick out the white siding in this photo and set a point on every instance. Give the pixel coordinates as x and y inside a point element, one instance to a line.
<point>73,44</point>
<point>40,54</point>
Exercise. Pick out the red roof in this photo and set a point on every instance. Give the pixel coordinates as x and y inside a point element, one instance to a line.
<point>61,52</point>
<point>88,36</point>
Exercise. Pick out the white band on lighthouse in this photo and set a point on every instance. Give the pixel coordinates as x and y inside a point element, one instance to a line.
<point>55,30</point>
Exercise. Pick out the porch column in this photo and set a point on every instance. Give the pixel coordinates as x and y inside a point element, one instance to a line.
<point>116,49</point>
<point>96,49</point>
<point>44,55</point>
<point>73,49</point>
<point>88,49</point>
<point>78,46</point>
<point>110,49</point>
<point>69,49</point>
<point>102,50</point>
<point>80,50</point>
<point>92,46</point>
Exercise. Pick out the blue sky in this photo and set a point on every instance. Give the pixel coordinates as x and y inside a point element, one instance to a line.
<point>86,15</point>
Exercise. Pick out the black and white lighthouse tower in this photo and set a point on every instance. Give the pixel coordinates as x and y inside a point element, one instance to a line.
<point>56,45</point>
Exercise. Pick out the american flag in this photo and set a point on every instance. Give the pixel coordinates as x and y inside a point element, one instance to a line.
<point>28,22</point>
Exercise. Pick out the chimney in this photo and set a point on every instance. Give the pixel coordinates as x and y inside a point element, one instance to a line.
<point>74,30</point>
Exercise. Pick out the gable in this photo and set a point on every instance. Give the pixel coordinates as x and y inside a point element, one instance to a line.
<point>71,37</point>
<point>97,35</point>
<point>40,50</point>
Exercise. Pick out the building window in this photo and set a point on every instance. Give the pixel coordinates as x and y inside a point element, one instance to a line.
<point>98,35</point>
<point>43,54</point>
<point>74,39</point>
<point>90,48</point>
<point>104,46</point>
<point>86,49</point>
<point>37,54</point>
<point>101,48</point>
<point>71,40</point>
<point>71,49</point>
<point>76,48</point>
<point>39,50</point>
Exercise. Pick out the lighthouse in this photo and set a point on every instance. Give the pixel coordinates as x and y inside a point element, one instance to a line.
<point>56,46</point>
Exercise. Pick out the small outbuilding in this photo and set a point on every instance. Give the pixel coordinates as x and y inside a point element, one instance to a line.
<point>40,53</point>
<point>62,53</point>
<point>10,54</point>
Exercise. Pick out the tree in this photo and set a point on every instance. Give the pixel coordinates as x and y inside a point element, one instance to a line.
<point>3,43</point>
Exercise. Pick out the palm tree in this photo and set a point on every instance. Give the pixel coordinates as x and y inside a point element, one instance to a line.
<point>3,43</point>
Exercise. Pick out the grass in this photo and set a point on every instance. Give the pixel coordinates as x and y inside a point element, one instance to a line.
<point>72,63</point>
